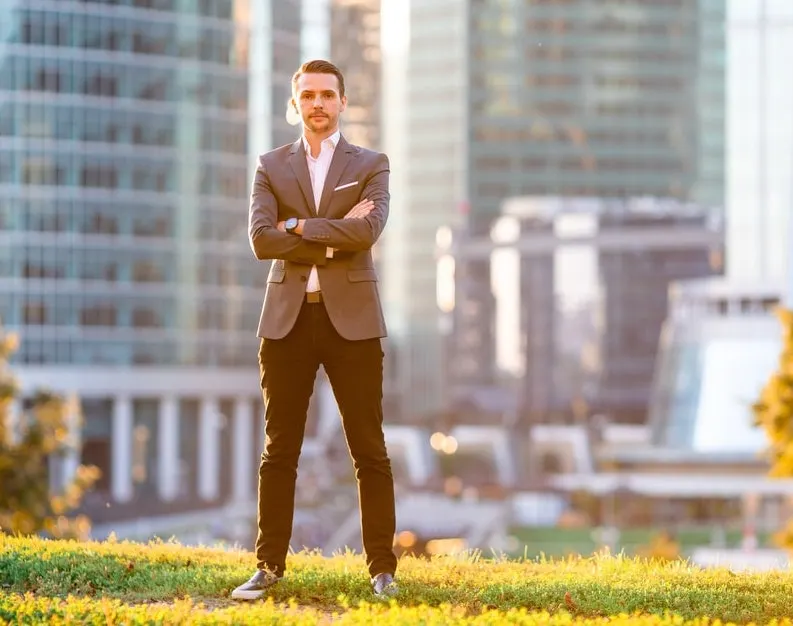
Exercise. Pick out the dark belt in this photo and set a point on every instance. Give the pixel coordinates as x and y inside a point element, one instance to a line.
<point>314,297</point>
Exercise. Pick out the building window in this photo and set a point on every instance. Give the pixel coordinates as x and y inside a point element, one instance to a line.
<point>147,272</point>
<point>99,176</point>
<point>145,318</point>
<point>35,313</point>
<point>99,315</point>
<point>101,224</point>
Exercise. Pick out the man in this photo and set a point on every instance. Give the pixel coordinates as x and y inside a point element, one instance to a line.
<point>317,208</point>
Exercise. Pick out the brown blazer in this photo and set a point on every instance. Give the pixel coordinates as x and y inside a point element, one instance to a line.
<point>282,189</point>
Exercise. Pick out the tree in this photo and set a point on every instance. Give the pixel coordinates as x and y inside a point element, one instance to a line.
<point>27,505</point>
<point>773,412</point>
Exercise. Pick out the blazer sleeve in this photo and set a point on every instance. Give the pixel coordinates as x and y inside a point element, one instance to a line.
<point>267,242</point>
<point>353,235</point>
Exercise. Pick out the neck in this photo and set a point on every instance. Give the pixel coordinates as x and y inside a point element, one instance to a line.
<point>315,139</point>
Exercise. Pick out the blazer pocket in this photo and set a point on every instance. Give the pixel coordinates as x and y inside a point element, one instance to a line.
<point>359,276</point>
<point>347,186</point>
<point>276,275</point>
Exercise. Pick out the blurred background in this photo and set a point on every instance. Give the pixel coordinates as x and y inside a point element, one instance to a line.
<point>590,229</point>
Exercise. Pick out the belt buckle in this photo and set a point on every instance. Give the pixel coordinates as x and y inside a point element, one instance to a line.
<point>314,297</point>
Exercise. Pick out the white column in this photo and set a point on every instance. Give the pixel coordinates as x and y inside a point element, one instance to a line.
<point>209,449</point>
<point>121,450</point>
<point>168,448</point>
<point>243,466</point>
<point>789,282</point>
<point>71,459</point>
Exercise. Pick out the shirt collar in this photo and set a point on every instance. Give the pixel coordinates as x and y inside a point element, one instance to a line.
<point>331,142</point>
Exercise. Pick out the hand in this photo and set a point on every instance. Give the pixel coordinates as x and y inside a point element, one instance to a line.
<point>360,210</point>
<point>281,226</point>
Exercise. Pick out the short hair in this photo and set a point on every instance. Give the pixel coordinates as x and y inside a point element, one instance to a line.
<point>319,66</point>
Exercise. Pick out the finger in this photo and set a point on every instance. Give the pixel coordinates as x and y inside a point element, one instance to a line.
<point>358,211</point>
<point>363,212</point>
<point>361,209</point>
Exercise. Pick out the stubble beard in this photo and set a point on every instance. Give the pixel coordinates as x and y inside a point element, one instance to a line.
<point>319,125</point>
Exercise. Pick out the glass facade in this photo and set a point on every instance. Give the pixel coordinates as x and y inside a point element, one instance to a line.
<point>613,99</point>
<point>578,315</point>
<point>600,99</point>
<point>286,20</point>
<point>635,304</point>
<point>355,48</point>
<point>123,182</point>
<point>424,130</point>
<point>719,347</point>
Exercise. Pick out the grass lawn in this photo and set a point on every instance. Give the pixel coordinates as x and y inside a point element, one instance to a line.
<point>163,583</point>
<point>559,542</point>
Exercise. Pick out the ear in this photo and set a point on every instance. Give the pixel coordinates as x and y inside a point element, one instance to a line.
<point>293,103</point>
<point>343,104</point>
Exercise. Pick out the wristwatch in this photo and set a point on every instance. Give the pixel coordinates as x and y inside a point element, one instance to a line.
<point>291,224</point>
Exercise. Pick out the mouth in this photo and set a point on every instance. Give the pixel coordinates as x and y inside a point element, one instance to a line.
<point>318,117</point>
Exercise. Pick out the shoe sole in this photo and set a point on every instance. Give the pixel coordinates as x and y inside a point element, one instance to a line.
<point>246,595</point>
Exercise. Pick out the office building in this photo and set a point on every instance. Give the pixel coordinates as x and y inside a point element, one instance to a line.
<point>759,127</point>
<point>425,133</point>
<point>547,98</point>
<point>347,32</point>
<point>125,164</point>
<point>579,289</point>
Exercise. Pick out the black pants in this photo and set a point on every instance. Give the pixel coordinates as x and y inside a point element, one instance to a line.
<point>355,370</point>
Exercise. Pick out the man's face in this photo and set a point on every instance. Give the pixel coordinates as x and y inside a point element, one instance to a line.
<point>317,99</point>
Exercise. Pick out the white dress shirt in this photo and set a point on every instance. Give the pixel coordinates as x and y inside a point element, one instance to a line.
<point>318,170</point>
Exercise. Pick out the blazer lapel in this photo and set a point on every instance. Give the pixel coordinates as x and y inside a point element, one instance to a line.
<point>342,156</point>
<point>297,159</point>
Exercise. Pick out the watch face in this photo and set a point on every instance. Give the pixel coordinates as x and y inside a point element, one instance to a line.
<point>291,222</point>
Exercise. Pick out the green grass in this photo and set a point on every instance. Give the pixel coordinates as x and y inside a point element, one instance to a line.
<point>100,583</point>
<point>562,541</point>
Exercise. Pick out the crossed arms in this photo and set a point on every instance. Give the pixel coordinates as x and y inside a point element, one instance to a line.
<point>316,234</point>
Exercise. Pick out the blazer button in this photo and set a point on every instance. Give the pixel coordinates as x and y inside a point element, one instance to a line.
<point>303,278</point>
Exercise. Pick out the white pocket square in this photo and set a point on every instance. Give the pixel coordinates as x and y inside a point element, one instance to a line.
<point>355,182</point>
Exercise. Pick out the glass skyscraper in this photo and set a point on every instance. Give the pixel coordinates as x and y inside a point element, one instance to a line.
<point>122,169</point>
<point>609,100</point>
<point>600,99</point>
<point>542,98</point>
<point>125,155</point>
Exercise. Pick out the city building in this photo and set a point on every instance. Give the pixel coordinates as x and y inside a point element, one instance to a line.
<point>759,126</point>
<point>547,98</point>
<point>719,345</point>
<point>128,134</point>
<point>579,288</point>
<point>425,134</point>
<point>355,47</point>
<point>347,32</point>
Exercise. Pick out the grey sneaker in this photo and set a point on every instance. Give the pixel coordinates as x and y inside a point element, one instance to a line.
<point>256,586</point>
<point>384,586</point>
